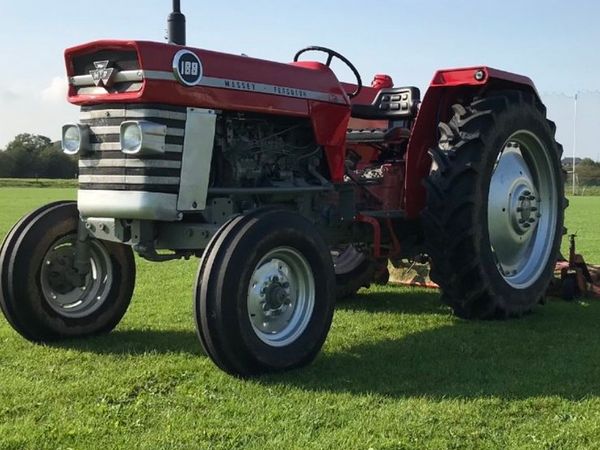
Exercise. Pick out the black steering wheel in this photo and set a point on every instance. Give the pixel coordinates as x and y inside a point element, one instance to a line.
<point>333,54</point>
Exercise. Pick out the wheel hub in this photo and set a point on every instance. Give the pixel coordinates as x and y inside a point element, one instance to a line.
<point>62,286</point>
<point>62,276</point>
<point>522,209</point>
<point>277,296</point>
<point>274,297</point>
<point>280,296</point>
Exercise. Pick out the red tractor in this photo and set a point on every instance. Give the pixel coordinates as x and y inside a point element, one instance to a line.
<point>292,187</point>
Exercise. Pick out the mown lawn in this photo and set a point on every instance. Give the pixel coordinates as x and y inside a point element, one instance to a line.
<point>583,219</point>
<point>397,371</point>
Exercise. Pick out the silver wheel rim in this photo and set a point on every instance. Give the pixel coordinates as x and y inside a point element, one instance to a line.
<point>346,259</point>
<point>522,209</point>
<point>59,280</point>
<point>281,296</point>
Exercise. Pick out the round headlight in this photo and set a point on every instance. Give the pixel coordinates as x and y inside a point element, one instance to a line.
<point>71,139</point>
<point>131,137</point>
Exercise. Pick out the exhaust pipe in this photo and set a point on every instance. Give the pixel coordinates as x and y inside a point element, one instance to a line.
<point>176,25</point>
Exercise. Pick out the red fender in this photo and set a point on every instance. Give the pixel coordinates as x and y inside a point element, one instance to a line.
<point>444,90</point>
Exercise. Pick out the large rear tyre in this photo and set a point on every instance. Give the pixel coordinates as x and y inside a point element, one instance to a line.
<point>495,206</point>
<point>42,296</point>
<point>265,294</point>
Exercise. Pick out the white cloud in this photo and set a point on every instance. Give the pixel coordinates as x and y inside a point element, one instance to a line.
<point>35,111</point>
<point>56,92</point>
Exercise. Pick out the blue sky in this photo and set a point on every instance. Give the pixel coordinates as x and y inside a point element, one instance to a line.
<point>556,43</point>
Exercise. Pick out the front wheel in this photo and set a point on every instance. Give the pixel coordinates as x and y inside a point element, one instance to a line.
<point>495,201</point>
<point>353,270</point>
<point>42,295</point>
<point>265,293</point>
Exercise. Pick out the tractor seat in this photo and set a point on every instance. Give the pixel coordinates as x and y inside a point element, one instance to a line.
<point>377,135</point>
<point>390,104</point>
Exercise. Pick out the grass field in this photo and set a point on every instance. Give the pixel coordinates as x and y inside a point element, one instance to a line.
<point>583,219</point>
<point>397,371</point>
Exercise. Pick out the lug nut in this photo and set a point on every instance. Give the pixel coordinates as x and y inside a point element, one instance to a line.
<point>526,225</point>
<point>521,198</point>
<point>533,208</point>
<point>521,220</point>
<point>531,197</point>
<point>532,220</point>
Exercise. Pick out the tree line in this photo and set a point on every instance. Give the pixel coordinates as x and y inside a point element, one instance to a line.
<point>588,172</point>
<point>35,156</point>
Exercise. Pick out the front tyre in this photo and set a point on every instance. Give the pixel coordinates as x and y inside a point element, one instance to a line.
<point>41,294</point>
<point>353,270</point>
<point>495,206</point>
<point>265,294</point>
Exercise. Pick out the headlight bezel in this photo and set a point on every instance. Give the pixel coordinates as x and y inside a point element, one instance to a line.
<point>152,137</point>
<point>83,140</point>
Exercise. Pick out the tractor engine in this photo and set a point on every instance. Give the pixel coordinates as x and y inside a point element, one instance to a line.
<point>259,151</point>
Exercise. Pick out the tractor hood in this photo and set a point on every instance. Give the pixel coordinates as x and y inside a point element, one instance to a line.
<point>111,71</point>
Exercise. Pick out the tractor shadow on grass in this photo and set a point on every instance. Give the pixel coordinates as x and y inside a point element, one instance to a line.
<point>554,352</point>
<point>143,341</point>
<point>397,300</point>
<point>137,342</point>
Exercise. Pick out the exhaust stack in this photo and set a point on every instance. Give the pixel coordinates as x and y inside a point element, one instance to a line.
<point>176,25</point>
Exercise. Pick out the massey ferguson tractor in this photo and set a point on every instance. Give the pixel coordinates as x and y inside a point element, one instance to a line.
<point>292,188</point>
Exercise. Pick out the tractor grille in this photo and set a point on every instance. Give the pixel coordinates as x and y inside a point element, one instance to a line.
<point>107,168</point>
<point>125,66</point>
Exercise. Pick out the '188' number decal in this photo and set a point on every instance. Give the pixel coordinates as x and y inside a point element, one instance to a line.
<point>187,68</point>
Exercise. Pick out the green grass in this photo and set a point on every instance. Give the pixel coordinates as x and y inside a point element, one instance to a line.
<point>582,218</point>
<point>397,371</point>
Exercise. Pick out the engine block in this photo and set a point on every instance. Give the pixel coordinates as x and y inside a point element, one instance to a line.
<point>262,151</point>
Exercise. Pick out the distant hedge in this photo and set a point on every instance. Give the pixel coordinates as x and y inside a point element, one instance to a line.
<point>35,156</point>
<point>40,182</point>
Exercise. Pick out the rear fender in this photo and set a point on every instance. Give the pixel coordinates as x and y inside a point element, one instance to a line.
<point>447,87</point>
